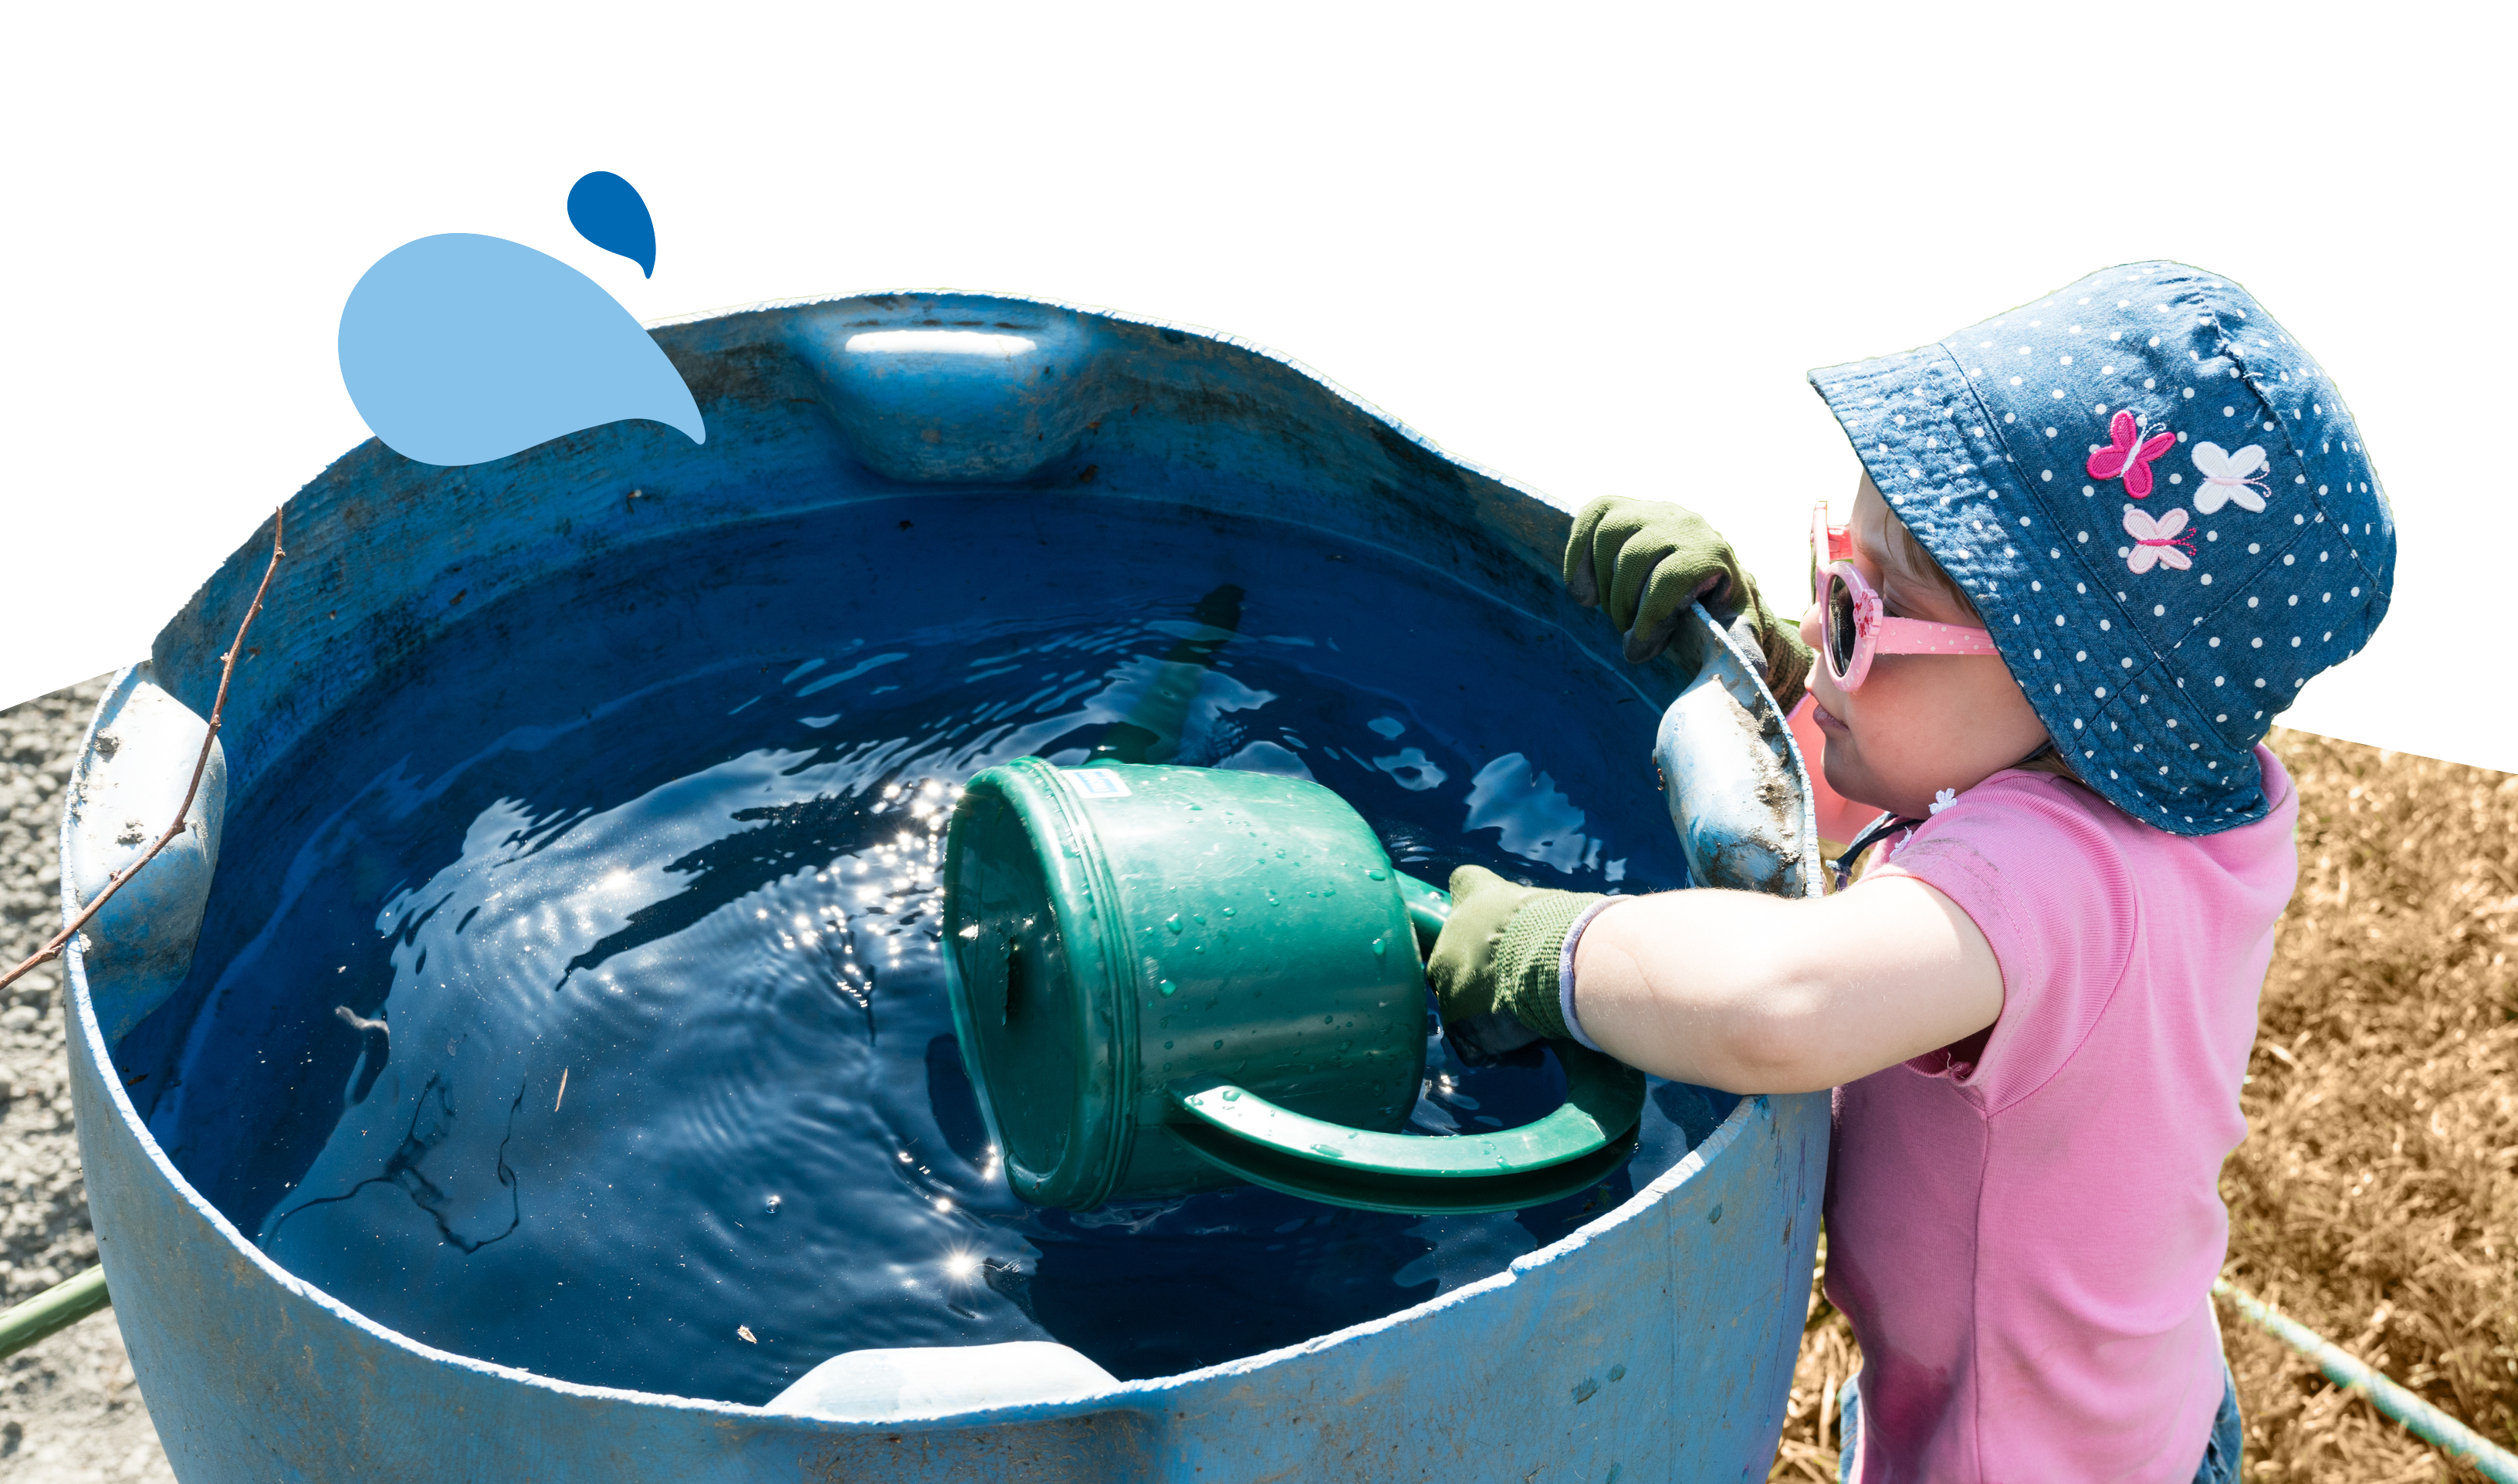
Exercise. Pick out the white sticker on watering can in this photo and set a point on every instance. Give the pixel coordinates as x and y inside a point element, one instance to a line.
<point>1098,783</point>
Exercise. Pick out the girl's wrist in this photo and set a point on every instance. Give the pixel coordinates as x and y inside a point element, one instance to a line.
<point>1565,971</point>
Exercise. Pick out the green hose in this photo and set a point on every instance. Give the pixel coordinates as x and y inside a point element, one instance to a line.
<point>58,1307</point>
<point>2422,1420</point>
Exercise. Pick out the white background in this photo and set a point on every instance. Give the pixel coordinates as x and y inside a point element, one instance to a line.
<point>1593,249</point>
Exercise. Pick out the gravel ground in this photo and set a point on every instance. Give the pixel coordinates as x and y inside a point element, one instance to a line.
<point>69,1411</point>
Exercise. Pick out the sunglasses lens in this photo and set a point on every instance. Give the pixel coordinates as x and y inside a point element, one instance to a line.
<point>1839,626</point>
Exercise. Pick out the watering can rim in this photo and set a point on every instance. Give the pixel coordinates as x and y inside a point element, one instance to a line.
<point>90,1043</point>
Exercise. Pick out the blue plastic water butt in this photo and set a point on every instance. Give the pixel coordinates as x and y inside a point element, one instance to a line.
<point>1656,1340</point>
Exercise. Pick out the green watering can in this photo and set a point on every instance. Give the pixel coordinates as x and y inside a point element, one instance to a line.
<point>1175,979</point>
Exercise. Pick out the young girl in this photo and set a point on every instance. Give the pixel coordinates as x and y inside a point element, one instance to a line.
<point>2099,543</point>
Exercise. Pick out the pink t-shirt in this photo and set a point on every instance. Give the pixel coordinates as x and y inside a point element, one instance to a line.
<point>2027,1244</point>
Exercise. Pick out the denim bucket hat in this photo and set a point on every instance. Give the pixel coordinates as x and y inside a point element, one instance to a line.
<point>2159,507</point>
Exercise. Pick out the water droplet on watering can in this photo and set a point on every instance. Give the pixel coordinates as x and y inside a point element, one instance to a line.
<point>1328,891</point>
<point>1168,989</point>
<point>770,1206</point>
<point>1200,919</point>
<point>1232,1094</point>
<point>1328,1020</point>
<point>1173,922</point>
<point>1377,949</point>
<point>1218,1045</point>
<point>1377,874</point>
<point>1167,1045</point>
<point>1228,912</point>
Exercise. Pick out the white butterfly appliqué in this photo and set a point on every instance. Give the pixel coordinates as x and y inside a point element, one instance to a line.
<point>2158,542</point>
<point>2236,478</point>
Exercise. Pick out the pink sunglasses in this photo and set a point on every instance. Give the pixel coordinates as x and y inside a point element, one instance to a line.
<point>1856,626</point>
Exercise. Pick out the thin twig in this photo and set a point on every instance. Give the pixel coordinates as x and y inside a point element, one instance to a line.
<point>201,765</point>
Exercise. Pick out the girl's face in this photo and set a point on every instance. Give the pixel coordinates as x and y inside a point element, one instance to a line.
<point>1920,723</point>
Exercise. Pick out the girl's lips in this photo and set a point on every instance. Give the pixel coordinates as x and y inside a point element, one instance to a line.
<point>1828,721</point>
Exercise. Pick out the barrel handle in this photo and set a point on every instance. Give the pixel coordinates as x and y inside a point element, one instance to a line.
<point>1570,1150</point>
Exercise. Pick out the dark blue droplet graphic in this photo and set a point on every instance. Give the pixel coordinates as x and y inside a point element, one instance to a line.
<point>609,213</point>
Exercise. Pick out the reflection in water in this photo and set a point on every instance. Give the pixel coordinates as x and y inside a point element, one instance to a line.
<point>581,1038</point>
<point>1537,822</point>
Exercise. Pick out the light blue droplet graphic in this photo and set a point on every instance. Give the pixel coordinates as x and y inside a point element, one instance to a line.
<point>608,212</point>
<point>459,349</point>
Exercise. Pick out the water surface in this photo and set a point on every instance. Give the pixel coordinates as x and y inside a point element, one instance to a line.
<point>575,1002</point>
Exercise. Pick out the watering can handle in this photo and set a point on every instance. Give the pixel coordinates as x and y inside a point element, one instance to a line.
<point>1507,1170</point>
<point>1429,907</point>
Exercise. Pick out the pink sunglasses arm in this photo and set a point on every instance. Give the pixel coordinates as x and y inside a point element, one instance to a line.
<point>1914,636</point>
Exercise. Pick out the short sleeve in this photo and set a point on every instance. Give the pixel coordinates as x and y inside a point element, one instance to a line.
<point>2043,877</point>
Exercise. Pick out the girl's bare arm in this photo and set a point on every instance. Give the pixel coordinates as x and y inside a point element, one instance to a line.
<point>1755,993</point>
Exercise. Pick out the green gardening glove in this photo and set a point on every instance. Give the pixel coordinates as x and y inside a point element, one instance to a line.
<point>1495,969</point>
<point>1648,560</point>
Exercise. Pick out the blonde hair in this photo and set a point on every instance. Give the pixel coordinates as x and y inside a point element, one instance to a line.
<point>1905,557</point>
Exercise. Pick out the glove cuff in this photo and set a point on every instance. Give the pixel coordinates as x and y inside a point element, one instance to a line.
<point>1529,959</point>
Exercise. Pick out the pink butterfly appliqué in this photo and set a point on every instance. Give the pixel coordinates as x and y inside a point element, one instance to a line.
<point>2130,455</point>
<point>2158,541</point>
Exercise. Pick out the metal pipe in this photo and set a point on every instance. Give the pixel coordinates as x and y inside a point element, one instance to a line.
<point>2419,1418</point>
<point>56,1308</point>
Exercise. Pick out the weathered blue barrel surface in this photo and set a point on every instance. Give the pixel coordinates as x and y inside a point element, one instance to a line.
<point>1655,1342</point>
